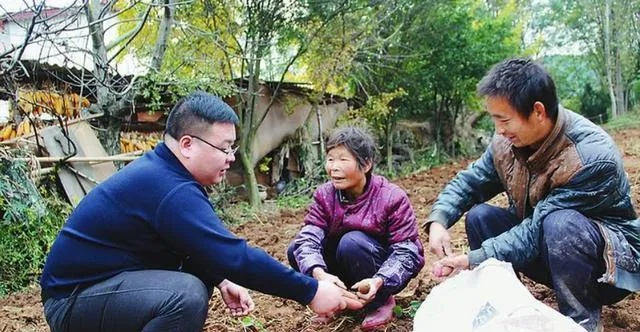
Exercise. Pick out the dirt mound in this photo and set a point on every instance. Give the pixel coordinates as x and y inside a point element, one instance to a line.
<point>23,311</point>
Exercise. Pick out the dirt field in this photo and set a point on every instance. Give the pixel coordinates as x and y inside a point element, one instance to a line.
<point>23,311</point>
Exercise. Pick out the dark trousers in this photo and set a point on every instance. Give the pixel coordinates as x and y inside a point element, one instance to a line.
<point>570,259</point>
<point>357,256</point>
<point>147,300</point>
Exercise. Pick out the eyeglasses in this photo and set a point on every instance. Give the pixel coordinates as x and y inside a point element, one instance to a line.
<point>230,151</point>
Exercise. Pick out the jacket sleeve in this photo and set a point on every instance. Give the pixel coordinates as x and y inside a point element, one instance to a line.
<point>590,191</point>
<point>478,183</point>
<point>309,242</point>
<point>308,249</point>
<point>217,253</point>
<point>406,258</point>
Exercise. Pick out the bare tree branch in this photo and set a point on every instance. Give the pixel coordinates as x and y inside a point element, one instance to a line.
<point>27,37</point>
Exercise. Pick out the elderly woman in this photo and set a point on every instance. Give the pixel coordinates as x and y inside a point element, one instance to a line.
<point>360,230</point>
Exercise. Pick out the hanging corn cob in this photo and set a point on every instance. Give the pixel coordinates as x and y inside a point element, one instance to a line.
<point>32,104</point>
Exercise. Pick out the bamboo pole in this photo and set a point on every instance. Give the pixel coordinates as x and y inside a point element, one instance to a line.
<point>46,170</point>
<point>118,157</point>
<point>43,171</point>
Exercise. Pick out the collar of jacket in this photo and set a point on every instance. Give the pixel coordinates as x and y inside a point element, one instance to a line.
<point>342,196</point>
<point>547,150</point>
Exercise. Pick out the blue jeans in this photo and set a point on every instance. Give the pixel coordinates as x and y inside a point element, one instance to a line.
<point>357,256</point>
<point>146,300</point>
<point>570,259</point>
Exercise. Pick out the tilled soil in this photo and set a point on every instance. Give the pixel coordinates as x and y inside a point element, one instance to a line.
<point>272,232</point>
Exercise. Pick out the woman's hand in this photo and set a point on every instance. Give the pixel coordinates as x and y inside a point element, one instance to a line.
<point>366,289</point>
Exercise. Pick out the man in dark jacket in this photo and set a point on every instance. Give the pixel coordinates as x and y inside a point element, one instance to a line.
<point>144,249</point>
<point>570,223</point>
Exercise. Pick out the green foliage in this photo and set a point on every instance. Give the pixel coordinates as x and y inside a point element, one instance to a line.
<point>378,111</point>
<point>24,246</point>
<point>18,195</point>
<point>485,124</point>
<point>572,103</point>
<point>446,47</point>
<point>594,104</point>
<point>299,192</point>
<point>225,201</point>
<point>251,323</point>
<point>263,165</point>
<point>570,74</point>
<point>27,229</point>
<point>429,158</point>
<point>160,91</point>
<point>424,160</point>
<point>634,93</point>
<point>343,46</point>
<point>237,213</point>
<point>605,31</point>
<point>409,311</point>
<point>628,120</point>
<point>228,205</point>
<point>199,43</point>
<point>293,201</point>
<point>291,103</point>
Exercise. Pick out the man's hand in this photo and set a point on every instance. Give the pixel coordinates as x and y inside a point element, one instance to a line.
<point>319,274</point>
<point>236,298</point>
<point>353,303</point>
<point>439,240</point>
<point>330,299</point>
<point>367,288</point>
<point>449,265</point>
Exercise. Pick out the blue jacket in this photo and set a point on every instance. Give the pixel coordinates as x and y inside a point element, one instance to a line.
<point>152,214</point>
<point>577,167</point>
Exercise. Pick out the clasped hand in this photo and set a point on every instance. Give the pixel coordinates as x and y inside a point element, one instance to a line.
<point>440,245</point>
<point>366,289</point>
<point>332,296</point>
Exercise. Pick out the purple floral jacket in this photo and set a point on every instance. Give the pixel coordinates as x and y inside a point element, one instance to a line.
<point>383,211</point>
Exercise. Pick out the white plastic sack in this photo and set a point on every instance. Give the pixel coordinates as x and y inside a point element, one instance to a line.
<point>490,298</point>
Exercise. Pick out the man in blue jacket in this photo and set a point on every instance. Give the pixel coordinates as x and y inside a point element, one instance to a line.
<point>570,223</point>
<point>144,249</point>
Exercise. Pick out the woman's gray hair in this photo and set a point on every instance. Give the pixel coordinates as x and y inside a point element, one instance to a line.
<point>357,141</point>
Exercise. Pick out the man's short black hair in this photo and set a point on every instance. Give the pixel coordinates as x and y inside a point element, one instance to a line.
<point>523,82</point>
<point>194,113</point>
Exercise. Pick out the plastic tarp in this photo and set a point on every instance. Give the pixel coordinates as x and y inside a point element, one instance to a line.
<point>488,298</point>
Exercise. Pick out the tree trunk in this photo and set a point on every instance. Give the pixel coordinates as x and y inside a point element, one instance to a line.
<point>106,101</point>
<point>606,34</point>
<point>163,33</point>
<point>250,180</point>
<point>316,109</point>
<point>250,128</point>
<point>619,86</point>
<point>389,145</point>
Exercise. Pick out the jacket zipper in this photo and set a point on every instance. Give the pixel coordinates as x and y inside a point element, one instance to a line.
<point>526,193</point>
<point>608,257</point>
